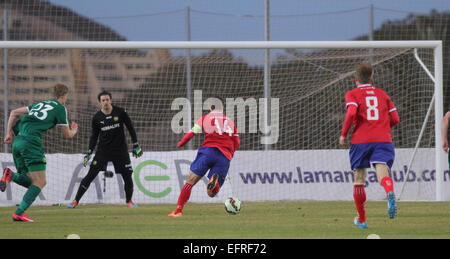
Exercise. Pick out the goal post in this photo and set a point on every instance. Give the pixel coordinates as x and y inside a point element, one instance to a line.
<point>254,169</point>
<point>439,106</point>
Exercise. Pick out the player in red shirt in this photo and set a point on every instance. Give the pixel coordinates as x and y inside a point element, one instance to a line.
<point>444,135</point>
<point>372,113</point>
<point>214,155</point>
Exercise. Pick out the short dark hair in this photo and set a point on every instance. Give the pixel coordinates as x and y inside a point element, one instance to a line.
<point>60,90</point>
<point>104,93</point>
<point>364,72</point>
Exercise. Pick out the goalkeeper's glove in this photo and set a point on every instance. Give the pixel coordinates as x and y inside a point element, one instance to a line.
<point>87,157</point>
<point>137,150</point>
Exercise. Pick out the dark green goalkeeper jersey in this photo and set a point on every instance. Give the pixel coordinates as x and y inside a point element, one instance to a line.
<point>41,117</point>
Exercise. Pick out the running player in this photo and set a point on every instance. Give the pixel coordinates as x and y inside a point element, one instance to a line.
<point>29,124</point>
<point>108,130</point>
<point>372,113</point>
<point>214,155</point>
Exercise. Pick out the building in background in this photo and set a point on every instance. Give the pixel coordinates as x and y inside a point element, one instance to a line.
<point>31,73</point>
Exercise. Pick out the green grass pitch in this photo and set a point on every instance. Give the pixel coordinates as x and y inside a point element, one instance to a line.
<point>257,220</point>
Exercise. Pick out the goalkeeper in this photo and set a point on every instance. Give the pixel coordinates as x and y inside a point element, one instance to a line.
<point>108,129</point>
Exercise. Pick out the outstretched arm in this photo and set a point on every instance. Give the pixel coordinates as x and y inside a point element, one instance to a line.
<point>13,117</point>
<point>188,136</point>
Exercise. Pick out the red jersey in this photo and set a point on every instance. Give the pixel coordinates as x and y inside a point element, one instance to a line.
<point>220,132</point>
<point>372,122</point>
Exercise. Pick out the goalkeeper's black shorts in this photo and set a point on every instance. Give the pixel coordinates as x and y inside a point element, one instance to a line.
<point>121,162</point>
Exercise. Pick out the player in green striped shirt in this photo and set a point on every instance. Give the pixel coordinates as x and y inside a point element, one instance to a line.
<point>29,124</point>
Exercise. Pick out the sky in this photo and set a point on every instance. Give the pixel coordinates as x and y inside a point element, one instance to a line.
<point>162,20</point>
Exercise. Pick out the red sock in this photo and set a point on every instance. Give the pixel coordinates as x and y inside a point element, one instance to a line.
<point>359,195</point>
<point>184,196</point>
<point>388,184</point>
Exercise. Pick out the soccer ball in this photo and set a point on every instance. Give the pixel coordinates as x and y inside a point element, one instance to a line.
<point>232,205</point>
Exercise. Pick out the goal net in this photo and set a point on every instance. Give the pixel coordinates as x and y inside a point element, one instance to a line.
<point>288,153</point>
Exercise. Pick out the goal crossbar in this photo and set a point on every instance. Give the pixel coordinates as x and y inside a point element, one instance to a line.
<point>217,44</point>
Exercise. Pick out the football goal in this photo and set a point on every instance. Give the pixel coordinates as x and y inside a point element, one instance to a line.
<point>287,100</point>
